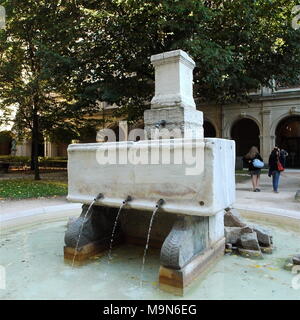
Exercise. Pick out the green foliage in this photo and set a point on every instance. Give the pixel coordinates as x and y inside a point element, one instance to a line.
<point>23,189</point>
<point>237,46</point>
<point>59,58</point>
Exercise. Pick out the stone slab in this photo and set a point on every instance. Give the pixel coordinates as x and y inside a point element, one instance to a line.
<point>177,281</point>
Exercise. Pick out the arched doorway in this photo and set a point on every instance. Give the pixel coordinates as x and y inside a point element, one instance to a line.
<point>245,132</point>
<point>288,138</point>
<point>209,129</point>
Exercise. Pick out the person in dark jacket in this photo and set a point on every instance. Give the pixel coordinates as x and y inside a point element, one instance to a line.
<point>284,154</point>
<point>275,157</point>
<point>254,172</point>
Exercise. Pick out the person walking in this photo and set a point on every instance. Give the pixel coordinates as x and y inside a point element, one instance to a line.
<point>276,166</point>
<point>255,163</point>
<point>284,154</point>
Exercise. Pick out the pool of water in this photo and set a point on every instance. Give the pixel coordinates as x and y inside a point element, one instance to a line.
<point>33,261</point>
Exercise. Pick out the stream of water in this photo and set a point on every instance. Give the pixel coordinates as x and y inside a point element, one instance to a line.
<point>113,231</point>
<point>158,205</point>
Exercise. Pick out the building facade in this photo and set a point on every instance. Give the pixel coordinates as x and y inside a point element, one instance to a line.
<point>271,118</point>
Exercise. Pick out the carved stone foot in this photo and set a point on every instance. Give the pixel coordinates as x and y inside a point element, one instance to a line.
<point>187,252</point>
<point>90,234</point>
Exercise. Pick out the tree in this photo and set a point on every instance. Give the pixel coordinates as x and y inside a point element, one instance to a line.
<point>60,58</point>
<point>36,51</point>
<point>237,46</point>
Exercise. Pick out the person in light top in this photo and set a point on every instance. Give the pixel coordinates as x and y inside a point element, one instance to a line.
<point>254,172</point>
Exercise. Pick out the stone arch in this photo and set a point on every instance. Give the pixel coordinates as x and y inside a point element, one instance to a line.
<point>287,136</point>
<point>276,122</point>
<point>230,124</point>
<point>246,133</point>
<point>116,128</point>
<point>210,128</point>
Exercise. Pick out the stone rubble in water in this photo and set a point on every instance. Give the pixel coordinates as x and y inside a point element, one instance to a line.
<point>231,220</point>
<point>264,236</point>
<point>250,240</point>
<point>296,259</point>
<point>232,235</point>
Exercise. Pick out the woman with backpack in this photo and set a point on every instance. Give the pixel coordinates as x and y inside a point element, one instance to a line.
<point>255,164</point>
<point>276,165</point>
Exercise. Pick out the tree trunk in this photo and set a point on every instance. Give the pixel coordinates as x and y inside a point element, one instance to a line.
<point>35,144</point>
<point>32,152</point>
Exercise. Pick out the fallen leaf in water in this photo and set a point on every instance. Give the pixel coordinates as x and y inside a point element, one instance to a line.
<point>255,266</point>
<point>273,269</point>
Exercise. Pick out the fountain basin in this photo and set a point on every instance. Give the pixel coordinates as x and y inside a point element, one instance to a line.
<point>194,177</point>
<point>33,249</point>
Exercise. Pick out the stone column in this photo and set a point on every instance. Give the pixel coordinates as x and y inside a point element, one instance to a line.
<point>265,135</point>
<point>123,130</point>
<point>173,107</point>
<point>50,149</point>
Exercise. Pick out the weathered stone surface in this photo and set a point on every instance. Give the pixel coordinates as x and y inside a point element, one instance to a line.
<point>267,250</point>
<point>71,220</point>
<point>264,235</point>
<point>250,253</point>
<point>177,281</point>
<point>297,196</point>
<point>179,123</point>
<point>188,237</point>
<point>187,189</point>
<point>249,241</point>
<point>95,225</point>
<point>232,234</point>
<point>173,80</point>
<point>135,225</point>
<point>231,220</point>
<point>246,230</point>
<point>288,265</point>
<point>296,259</point>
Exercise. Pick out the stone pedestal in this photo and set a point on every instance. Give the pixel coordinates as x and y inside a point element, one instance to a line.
<point>180,122</point>
<point>173,111</point>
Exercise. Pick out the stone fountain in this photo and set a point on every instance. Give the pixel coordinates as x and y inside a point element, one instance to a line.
<point>189,179</point>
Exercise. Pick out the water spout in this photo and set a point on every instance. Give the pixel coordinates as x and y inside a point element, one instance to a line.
<point>161,123</point>
<point>99,197</point>
<point>124,203</point>
<point>159,204</point>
